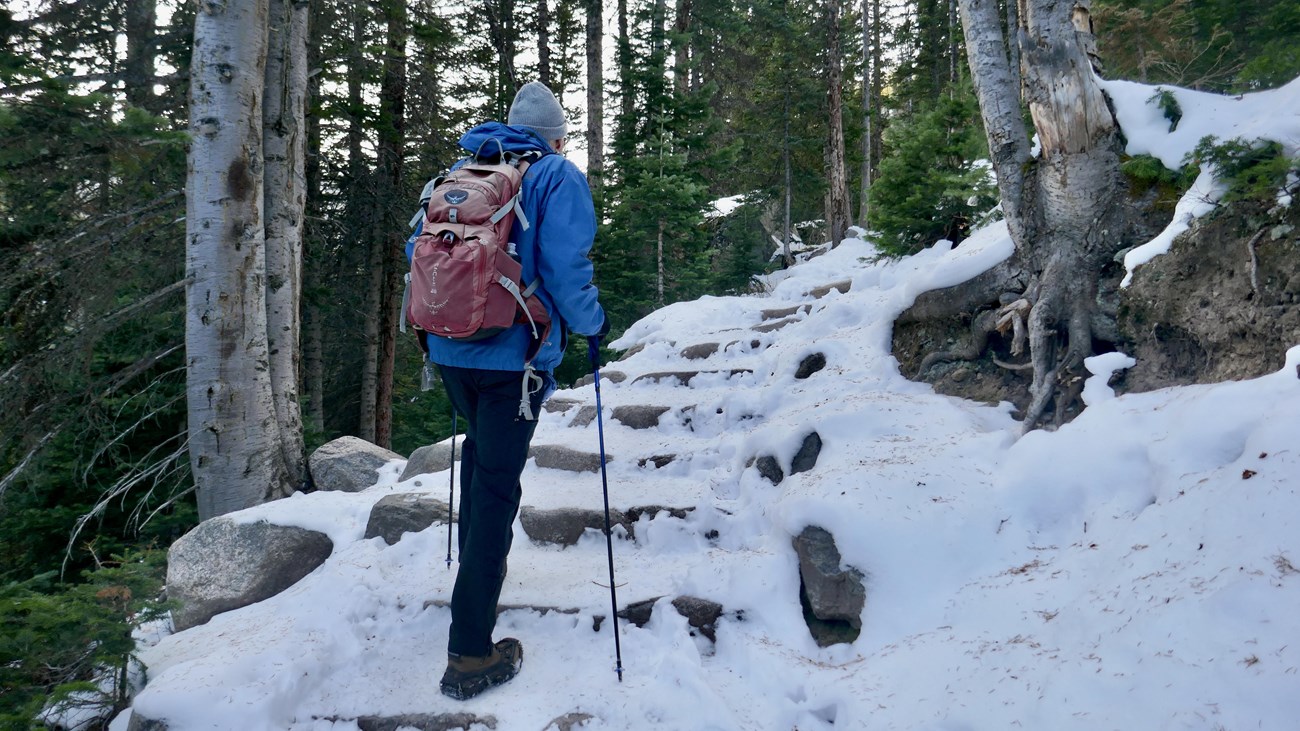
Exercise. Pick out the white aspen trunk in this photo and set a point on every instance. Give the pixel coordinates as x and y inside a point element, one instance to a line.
<point>1013,40</point>
<point>285,190</point>
<point>595,100</point>
<point>233,435</point>
<point>1067,217</point>
<point>998,94</point>
<point>837,197</point>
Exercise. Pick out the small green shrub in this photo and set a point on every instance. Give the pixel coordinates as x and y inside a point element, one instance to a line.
<point>69,647</point>
<point>1253,170</point>
<point>1146,173</point>
<point>1168,103</point>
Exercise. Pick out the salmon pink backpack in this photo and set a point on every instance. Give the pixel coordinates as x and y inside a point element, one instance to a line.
<point>466,280</point>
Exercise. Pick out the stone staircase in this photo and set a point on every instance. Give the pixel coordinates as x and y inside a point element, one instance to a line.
<point>663,430</point>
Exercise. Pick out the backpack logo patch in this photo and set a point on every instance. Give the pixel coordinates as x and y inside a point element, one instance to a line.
<point>455,197</point>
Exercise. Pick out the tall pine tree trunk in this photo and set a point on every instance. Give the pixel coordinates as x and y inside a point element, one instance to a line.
<point>141,52</point>
<point>284,190</point>
<point>682,47</point>
<point>544,43</point>
<point>626,97</point>
<point>392,139</point>
<point>596,102</point>
<point>361,218</point>
<point>235,455</point>
<point>837,194</point>
<point>867,70</point>
<point>313,377</point>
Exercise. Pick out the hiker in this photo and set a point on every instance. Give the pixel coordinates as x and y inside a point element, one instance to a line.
<point>489,385</point>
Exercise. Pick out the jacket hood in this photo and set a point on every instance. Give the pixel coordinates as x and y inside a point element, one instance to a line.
<point>513,139</point>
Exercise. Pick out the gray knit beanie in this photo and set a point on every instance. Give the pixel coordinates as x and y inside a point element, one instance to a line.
<point>536,108</point>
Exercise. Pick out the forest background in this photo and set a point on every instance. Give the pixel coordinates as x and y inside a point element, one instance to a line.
<point>818,113</point>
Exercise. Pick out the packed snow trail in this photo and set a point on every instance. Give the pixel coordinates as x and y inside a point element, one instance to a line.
<point>1117,573</point>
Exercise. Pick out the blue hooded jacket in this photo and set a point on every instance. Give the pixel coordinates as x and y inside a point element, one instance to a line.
<point>553,251</point>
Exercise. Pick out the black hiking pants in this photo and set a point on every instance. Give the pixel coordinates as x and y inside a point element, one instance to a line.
<point>493,454</point>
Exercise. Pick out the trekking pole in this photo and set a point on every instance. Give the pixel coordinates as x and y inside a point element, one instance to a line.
<point>593,350</point>
<point>451,483</point>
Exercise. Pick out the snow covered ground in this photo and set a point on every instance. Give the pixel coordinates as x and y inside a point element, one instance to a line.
<point>1137,569</point>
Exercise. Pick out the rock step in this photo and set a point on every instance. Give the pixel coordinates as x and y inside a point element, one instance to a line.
<point>628,491</point>
<point>841,286</point>
<point>784,312</point>
<point>684,378</point>
<point>633,416</point>
<point>565,526</point>
<point>576,578</point>
<point>611,376</point>
<point>701,614</point>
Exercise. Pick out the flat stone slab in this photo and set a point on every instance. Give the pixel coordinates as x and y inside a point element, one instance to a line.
<point>611,376</point>
<point>502,608</point>
<point>556,457</point>
<point>842,287</point>
<point>559,405</point>
<point>424,722</point>
<point>564,526</point>
<point>773,326</point>
<point>701,614</point>
<point>585,416</point>
<point>639,417</point>
<point>685,377</point>
<point>396,515</point>
<point>784,312</point>
<point>699,350</point>
<point>658,460</point>
<point>634,514</point>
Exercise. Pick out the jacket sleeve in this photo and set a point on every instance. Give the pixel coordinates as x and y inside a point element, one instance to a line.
<point>565,234</point>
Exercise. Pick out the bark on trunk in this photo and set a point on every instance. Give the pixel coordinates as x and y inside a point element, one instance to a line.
<point>1066,212</point>
<point>865,176</point>
<point>233,438</point>
<point>999,101</point>
<point>659,262</point>
<point>313,377</point>
<point>392,138</point>
<point>626,98</point>
<point>314,370</point>
<point>682,47</point>
<point>284,190</point>
<point>837,196</point>
<point>141,29</point>
<point>786,257</point>
<point>595,101</point>
<point>543,43</point>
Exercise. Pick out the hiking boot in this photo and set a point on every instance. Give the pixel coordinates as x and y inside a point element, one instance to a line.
<point>467,676</point>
